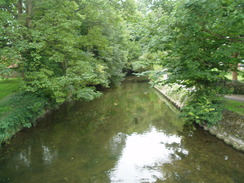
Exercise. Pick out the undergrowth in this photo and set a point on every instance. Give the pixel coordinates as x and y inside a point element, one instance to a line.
<point>19,111</point>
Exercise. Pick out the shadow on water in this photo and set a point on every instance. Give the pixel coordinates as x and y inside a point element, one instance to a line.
<point>128,135</point>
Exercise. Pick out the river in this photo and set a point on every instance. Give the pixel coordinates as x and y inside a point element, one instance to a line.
<point>131,134</point>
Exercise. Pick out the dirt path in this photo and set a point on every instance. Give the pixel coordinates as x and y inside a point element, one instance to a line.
<point>239,98</point>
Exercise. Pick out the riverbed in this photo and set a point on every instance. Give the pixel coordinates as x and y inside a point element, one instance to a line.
<point>130,134</point>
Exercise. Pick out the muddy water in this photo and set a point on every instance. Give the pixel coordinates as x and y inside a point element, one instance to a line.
<point>129,135</point>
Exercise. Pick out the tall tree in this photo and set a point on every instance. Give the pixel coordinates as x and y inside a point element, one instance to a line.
<point>200,38</point>
<point>66,48</point>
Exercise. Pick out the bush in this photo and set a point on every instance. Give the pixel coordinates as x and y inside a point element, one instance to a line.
<point>203,109</point>
<point>235,87</point>
<point>20,111</point>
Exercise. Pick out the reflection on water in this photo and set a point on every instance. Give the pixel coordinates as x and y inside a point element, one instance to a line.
<point>142,155</point>
<point>24,157</point>
<point>129,135</point>
<point>48,156</point>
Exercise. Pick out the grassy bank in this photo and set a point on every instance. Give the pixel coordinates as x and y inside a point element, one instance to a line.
<point>18,109</point>
<point>9,86</point>
<point>234,106</point>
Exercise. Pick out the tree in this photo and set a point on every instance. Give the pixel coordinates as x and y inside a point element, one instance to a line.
<point>200,38</point>
<point>66,48</point>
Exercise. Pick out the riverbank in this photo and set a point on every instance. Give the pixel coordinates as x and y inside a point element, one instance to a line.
<point>18,109</point>
<point>21,110</point>
<point>230,129</point>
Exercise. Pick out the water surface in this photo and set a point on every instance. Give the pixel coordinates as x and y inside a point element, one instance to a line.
<point>129,135</point>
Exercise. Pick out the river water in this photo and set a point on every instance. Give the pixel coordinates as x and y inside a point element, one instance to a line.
<point>129,135</point>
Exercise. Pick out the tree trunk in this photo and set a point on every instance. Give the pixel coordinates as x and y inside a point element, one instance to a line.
<point>28,5</point>
<point>234,76</point>
<point>20,8</point>
<point>234,71</point>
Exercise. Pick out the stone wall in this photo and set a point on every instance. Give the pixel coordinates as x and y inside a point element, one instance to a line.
<point>230,129</point>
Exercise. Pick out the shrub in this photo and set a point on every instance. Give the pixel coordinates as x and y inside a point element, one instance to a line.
<point>235,87</point>
<point>203,109</point>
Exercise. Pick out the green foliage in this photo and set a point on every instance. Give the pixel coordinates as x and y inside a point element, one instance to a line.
<point>65,48</point>
<point>20,111</point>
<point>5,72</point>
<point>235,87</point>
<point>203,40</point>
<point>203,108</point>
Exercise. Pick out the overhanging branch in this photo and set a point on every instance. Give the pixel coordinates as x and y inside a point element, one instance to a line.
<point>4,7</point>
<point>231,39</point>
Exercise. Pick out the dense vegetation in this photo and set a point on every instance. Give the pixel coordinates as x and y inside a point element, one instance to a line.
<point>19,111</point>
<point>196,43</point>
<point>64,50</point>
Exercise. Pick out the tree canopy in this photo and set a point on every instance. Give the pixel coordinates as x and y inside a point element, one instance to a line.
<point>65,48</point>
<point>196,43</point>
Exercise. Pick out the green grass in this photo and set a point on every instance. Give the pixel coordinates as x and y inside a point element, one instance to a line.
<point>9,86</point>
<point>234,106</point>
